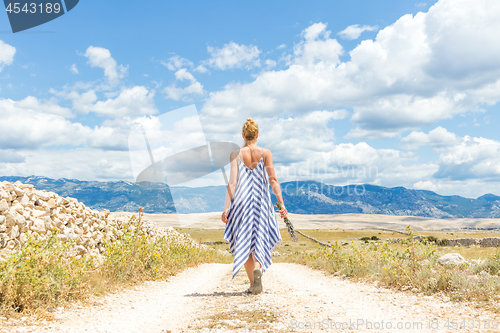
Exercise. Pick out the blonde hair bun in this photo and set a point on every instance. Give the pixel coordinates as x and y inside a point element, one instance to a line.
<point>250,129</point>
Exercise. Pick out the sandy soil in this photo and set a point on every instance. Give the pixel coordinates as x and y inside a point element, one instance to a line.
<point>341,221</point>
<point>295,299</point>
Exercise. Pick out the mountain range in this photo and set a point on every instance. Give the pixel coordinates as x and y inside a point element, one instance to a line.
<point>301,197</point>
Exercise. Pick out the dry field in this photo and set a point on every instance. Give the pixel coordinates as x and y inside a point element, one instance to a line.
<point>332,222</point>
<point>207,227</point>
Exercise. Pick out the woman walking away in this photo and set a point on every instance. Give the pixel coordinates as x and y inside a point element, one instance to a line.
<point>251,226</point>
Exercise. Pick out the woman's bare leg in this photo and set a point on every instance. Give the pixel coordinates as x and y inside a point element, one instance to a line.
<point>250,265</point>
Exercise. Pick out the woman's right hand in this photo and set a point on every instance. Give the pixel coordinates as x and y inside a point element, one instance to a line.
<point>224,217</point>
<point>283,211</point>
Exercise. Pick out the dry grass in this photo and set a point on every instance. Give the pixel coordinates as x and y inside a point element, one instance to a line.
<point>237,319</point>
<point>410,265</point>
<point>330,236</point>
<point>47,273</point>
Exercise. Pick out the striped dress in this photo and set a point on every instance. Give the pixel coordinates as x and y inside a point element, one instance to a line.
<point>252,225</point>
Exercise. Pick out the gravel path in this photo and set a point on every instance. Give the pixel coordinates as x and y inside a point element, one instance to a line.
<point>296,298</point>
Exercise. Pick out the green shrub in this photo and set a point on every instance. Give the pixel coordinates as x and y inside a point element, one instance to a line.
<point>432,239</point>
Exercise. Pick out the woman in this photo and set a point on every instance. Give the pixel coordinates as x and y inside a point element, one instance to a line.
<point>251,226</point>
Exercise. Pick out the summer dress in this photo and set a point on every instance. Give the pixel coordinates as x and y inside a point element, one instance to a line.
<point>252,225</point>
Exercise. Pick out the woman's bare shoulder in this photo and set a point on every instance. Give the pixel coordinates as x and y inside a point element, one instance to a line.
<point>233,154</point>
<point>266,152</point>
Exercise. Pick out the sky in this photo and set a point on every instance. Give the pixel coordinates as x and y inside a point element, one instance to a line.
<point>391,93</point>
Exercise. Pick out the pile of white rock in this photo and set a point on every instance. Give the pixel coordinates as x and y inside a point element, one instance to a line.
<point>25,211</point>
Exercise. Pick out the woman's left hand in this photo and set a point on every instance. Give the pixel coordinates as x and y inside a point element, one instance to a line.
<point>283,212</point>
<point>224,217</point>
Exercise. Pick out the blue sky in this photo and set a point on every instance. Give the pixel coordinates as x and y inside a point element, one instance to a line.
<point>393,93</point>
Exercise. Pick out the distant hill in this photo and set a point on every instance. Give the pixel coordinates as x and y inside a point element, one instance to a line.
<point>302,197</point>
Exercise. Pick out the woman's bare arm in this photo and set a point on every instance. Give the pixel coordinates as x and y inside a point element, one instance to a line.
<point>273,180</point>
<point>231,187</point>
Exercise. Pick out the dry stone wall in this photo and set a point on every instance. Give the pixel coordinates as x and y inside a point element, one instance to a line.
<point>25,211</point>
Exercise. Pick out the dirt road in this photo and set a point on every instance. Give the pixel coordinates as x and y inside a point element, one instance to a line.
<point>296,298</point>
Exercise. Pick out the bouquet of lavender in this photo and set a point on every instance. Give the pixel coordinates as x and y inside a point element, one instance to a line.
<point>289,225</point>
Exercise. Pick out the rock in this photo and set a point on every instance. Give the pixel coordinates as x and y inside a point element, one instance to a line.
<point>490,242</point>
<point>69,233</point>
<point>25,211</point>
<point>23,238</point>
<point>10,220</point>
<point>25,200</point>
<point>81,250</point>
<point>24,186</point>
<point>452,259</point>
<point>11,245</point>
<point>62,237</point>
<point>42,195</point>
<point>5,195</point>
<point>38,226</point>
<point>17,208</point>
<point>58,223</point>
<point>18,191</point>
<point>8,187</point>
<point>52,203</point>
<point>477,261</point>
<point>4,206</point>
<point>38,212</point>
<point>13,232</point>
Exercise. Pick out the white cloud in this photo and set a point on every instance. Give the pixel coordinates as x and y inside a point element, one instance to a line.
<point>425,185</point>
<point>101,57</point>
<point>372,134</point>
<point>354,31</point>
<point>281,46</point>
<point>174,63</point>
<point>417,71</point>
<point>233,55</point>
<point>7,53</point>
<point>176,93</point>
<point>31,103</point>
<point>74,69</point>
<point>26,127</point>
<point>304,147</point>
<point>82,103</point>
<point>460,158</point>
<point>133,101</point>
<point>340,114</point>
<point>437,138</point>
<point>201,69</point>
<point>473,158</point>
<point>270,63</point>
<point>11,156</point>
<point>111,135</point>
<point>81,163</point>
<point>317,47</point>
<point>33,124</point>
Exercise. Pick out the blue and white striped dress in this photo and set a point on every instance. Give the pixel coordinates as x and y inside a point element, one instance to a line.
<point>252,225</point>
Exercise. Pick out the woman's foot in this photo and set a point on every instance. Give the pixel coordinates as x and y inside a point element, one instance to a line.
<point>248,291</point>
<point>257,282</point>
